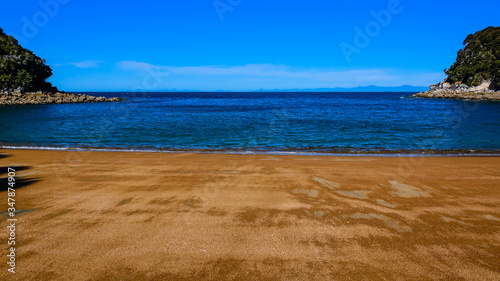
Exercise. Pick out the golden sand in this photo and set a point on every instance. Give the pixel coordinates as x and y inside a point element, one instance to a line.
<point>182,216</point>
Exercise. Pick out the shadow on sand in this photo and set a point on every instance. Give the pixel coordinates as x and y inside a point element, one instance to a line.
<point>5,169</point>
<point>19,181</point>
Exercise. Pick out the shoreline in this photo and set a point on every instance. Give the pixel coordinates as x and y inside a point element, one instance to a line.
<point>485,91</point>
<point>343,153</point>
<point>188,216</point>
<point>41,98</point>
<point>471,96</point>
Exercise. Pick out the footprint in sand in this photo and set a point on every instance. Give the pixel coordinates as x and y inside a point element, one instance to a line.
<point>394,224</point>
<point>309,192</point>
<point>355,194</point>
<point>407,191</point>
<point>317,214</point>
<point>492,218</point>
<point>386,204</point>
<point>331,185</point>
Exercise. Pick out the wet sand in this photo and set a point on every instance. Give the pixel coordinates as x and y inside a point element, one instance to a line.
<point>182,216</point>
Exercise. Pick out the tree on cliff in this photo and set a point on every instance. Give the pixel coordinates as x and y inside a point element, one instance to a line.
<point>20,69</point>
<point>479,60</point>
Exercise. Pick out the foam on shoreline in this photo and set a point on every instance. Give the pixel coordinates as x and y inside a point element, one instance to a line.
<point>333,152</point>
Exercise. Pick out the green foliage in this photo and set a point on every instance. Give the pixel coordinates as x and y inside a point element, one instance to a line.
<point>479,60</point>
<point>20,68</point>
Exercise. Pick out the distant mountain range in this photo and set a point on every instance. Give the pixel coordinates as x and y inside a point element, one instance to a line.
<point>404,88</point>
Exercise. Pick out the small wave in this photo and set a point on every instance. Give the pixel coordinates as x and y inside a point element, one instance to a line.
<point>298,152</point>
<point>34,147</point>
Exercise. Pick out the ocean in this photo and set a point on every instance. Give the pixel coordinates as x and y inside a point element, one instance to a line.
<point>260,122</point>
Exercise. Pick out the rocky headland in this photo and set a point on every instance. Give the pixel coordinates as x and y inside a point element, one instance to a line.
<point>7,98</point>
<point>23,78</point>
<point>475,75</point>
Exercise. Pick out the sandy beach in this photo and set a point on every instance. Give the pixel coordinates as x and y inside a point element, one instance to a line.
<point>187,216</point>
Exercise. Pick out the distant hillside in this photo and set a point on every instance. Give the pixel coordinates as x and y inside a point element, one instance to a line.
<point>372,88</point>
<point>479,60</point>
<point>404,88</point>
<point>20,69</point>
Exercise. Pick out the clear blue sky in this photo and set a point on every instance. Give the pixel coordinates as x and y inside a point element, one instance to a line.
<point>244,44</point>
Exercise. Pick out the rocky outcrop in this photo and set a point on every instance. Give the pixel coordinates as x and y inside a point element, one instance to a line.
<point>444,90</point>
<point>49,98</point>
<point>23,78</point>
<point>475,75</point>
<point>20,69</point>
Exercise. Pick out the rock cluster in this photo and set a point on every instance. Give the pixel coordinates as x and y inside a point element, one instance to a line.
<point>444,90</point>
<point>49,98</point>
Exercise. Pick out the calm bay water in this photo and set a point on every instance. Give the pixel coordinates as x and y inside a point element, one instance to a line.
<point>249,122</point>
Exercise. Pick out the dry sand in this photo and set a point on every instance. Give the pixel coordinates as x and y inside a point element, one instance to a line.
<point>182,216</point>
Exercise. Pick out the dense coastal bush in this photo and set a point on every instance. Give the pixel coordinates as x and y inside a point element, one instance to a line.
<point>479,60</point>
<point>20,69</point>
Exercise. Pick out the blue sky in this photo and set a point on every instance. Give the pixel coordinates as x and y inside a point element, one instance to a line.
<point>244,44</point>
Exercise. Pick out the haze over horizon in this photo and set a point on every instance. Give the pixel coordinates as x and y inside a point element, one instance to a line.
<point>243,45</point>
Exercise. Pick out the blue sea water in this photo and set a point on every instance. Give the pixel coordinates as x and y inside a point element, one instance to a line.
<point>259,122</point>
